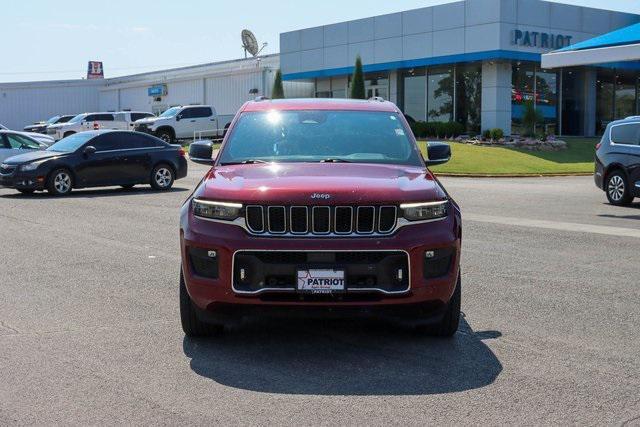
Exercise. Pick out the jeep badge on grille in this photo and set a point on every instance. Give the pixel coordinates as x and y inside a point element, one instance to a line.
<point>322,196</point>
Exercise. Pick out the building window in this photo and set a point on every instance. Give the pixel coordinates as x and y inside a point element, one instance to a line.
<point>530,83</point>
<point>604,99</point>
<point>440,94</point>
<point>468,96</point>
<point>376,84</point>
<point>415,94</point>
<point>625,96</point>
<point>547,99</point>
<point>522,90</point>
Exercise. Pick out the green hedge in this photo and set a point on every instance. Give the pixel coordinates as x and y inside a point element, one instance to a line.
<point>437,129</point>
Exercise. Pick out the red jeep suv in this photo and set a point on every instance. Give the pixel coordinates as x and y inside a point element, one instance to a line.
<point>320,208</point>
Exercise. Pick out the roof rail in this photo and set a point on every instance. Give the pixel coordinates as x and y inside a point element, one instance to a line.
<point>261,98</point>
<point>632,118</point>
<point>376,98</point>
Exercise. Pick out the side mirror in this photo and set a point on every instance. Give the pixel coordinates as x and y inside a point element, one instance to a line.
<point>178,117</point>
<point>202,152</point>
<point>438,152</point>
<point>89,150</point>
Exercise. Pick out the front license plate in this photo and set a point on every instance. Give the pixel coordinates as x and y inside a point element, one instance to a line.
<point>321,281</point>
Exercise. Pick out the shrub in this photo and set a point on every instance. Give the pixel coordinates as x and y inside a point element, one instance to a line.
<point>530,118</point>
<point>497,134</point>
<point>486,134</point>
<point>437,129</point>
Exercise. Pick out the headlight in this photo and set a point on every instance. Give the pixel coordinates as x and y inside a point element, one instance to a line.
<point>425,211</point>
<point>29,167</point>
<point>216,210</point>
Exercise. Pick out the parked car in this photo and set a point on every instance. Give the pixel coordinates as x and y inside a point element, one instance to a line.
<point>617,169</point>
<point>182,122</point>
<point>96,159</point>
<point>41,127</point>
<point>14,143</point>
<point>45,139</point>
<point>122,120</point>
<point>320,207</point>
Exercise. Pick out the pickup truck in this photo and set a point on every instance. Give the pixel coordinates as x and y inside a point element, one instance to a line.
<point>121,120</point>
<point>183,122</point>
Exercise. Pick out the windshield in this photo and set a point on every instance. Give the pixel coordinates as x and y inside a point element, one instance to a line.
<point>77,118</point>
<point>170,112</point>
<point>52,120</point>
<point>316,136</point>
<point>71,143</point>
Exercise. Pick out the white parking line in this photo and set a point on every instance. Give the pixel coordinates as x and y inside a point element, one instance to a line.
<point>555,225</point>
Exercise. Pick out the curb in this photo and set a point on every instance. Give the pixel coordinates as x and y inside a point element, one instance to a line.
<point>532,175</point>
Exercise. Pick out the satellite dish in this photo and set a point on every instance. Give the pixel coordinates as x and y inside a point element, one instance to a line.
<point>250,43</point>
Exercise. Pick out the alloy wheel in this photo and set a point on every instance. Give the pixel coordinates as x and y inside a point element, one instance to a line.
<point>163,177</point>
<point>616,188</point>
<point>62,182</point>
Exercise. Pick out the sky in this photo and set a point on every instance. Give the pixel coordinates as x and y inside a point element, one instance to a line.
<point>45,40</point>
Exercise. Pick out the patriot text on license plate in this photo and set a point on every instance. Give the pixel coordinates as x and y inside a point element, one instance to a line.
<point>321,281</point>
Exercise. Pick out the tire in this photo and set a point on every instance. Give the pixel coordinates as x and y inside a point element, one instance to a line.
<point>26,191</point>
<point>127,186</point>
<point>166,135</point>
<point>617,189</point>
<point>162,177</point>
<point>191,325</point>
<point>449,323</point>
<point>60,182</point>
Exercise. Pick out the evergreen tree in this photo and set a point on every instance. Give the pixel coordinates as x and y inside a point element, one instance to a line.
<point>278,90</point>
<point>357,81</point>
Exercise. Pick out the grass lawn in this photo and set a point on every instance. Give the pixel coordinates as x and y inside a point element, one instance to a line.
<point>472,159</point>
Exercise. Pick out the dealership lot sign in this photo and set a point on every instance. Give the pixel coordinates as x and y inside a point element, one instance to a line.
<point>540,39</point>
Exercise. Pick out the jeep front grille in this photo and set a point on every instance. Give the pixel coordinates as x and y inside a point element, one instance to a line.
<point>320,220</point>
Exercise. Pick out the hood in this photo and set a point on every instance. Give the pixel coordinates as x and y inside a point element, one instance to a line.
<point>59,125</point>
<point>148,120</point>
<point>33,156</point>
<point>36,126</point>
<point>320,183</point>
<point>39,136</point>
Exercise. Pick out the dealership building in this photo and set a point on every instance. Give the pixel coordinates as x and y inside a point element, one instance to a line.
<point>477,62</point>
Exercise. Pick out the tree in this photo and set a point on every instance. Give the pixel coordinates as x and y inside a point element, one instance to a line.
<point>278,90</point>
<point>530,118</point>
<point>357,81</point>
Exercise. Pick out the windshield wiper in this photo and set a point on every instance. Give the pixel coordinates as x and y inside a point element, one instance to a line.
<point>244,162</point>
<point>331,160</point>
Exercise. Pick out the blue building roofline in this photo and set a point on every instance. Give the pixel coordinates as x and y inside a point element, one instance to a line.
<point>621,37</point>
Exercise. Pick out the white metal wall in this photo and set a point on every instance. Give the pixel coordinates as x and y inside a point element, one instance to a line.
<point>21,105</point>
<point>228,93</point>
<point>226,86</point>
<point>108,100</point>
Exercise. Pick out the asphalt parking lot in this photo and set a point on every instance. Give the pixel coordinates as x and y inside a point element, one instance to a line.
<point>90,333</point>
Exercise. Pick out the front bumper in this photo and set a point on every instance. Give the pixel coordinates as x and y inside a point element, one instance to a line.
<point>215,295</point>
<point>144,129</point>
<point>22,180</point>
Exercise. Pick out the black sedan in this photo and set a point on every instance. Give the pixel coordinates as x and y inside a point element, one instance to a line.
<point>617,169</point>
<point>96,159</point>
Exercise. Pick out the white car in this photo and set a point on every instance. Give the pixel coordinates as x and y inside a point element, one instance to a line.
<point>121,120</point>
<point>44,139</point>
<point>182,122</point>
